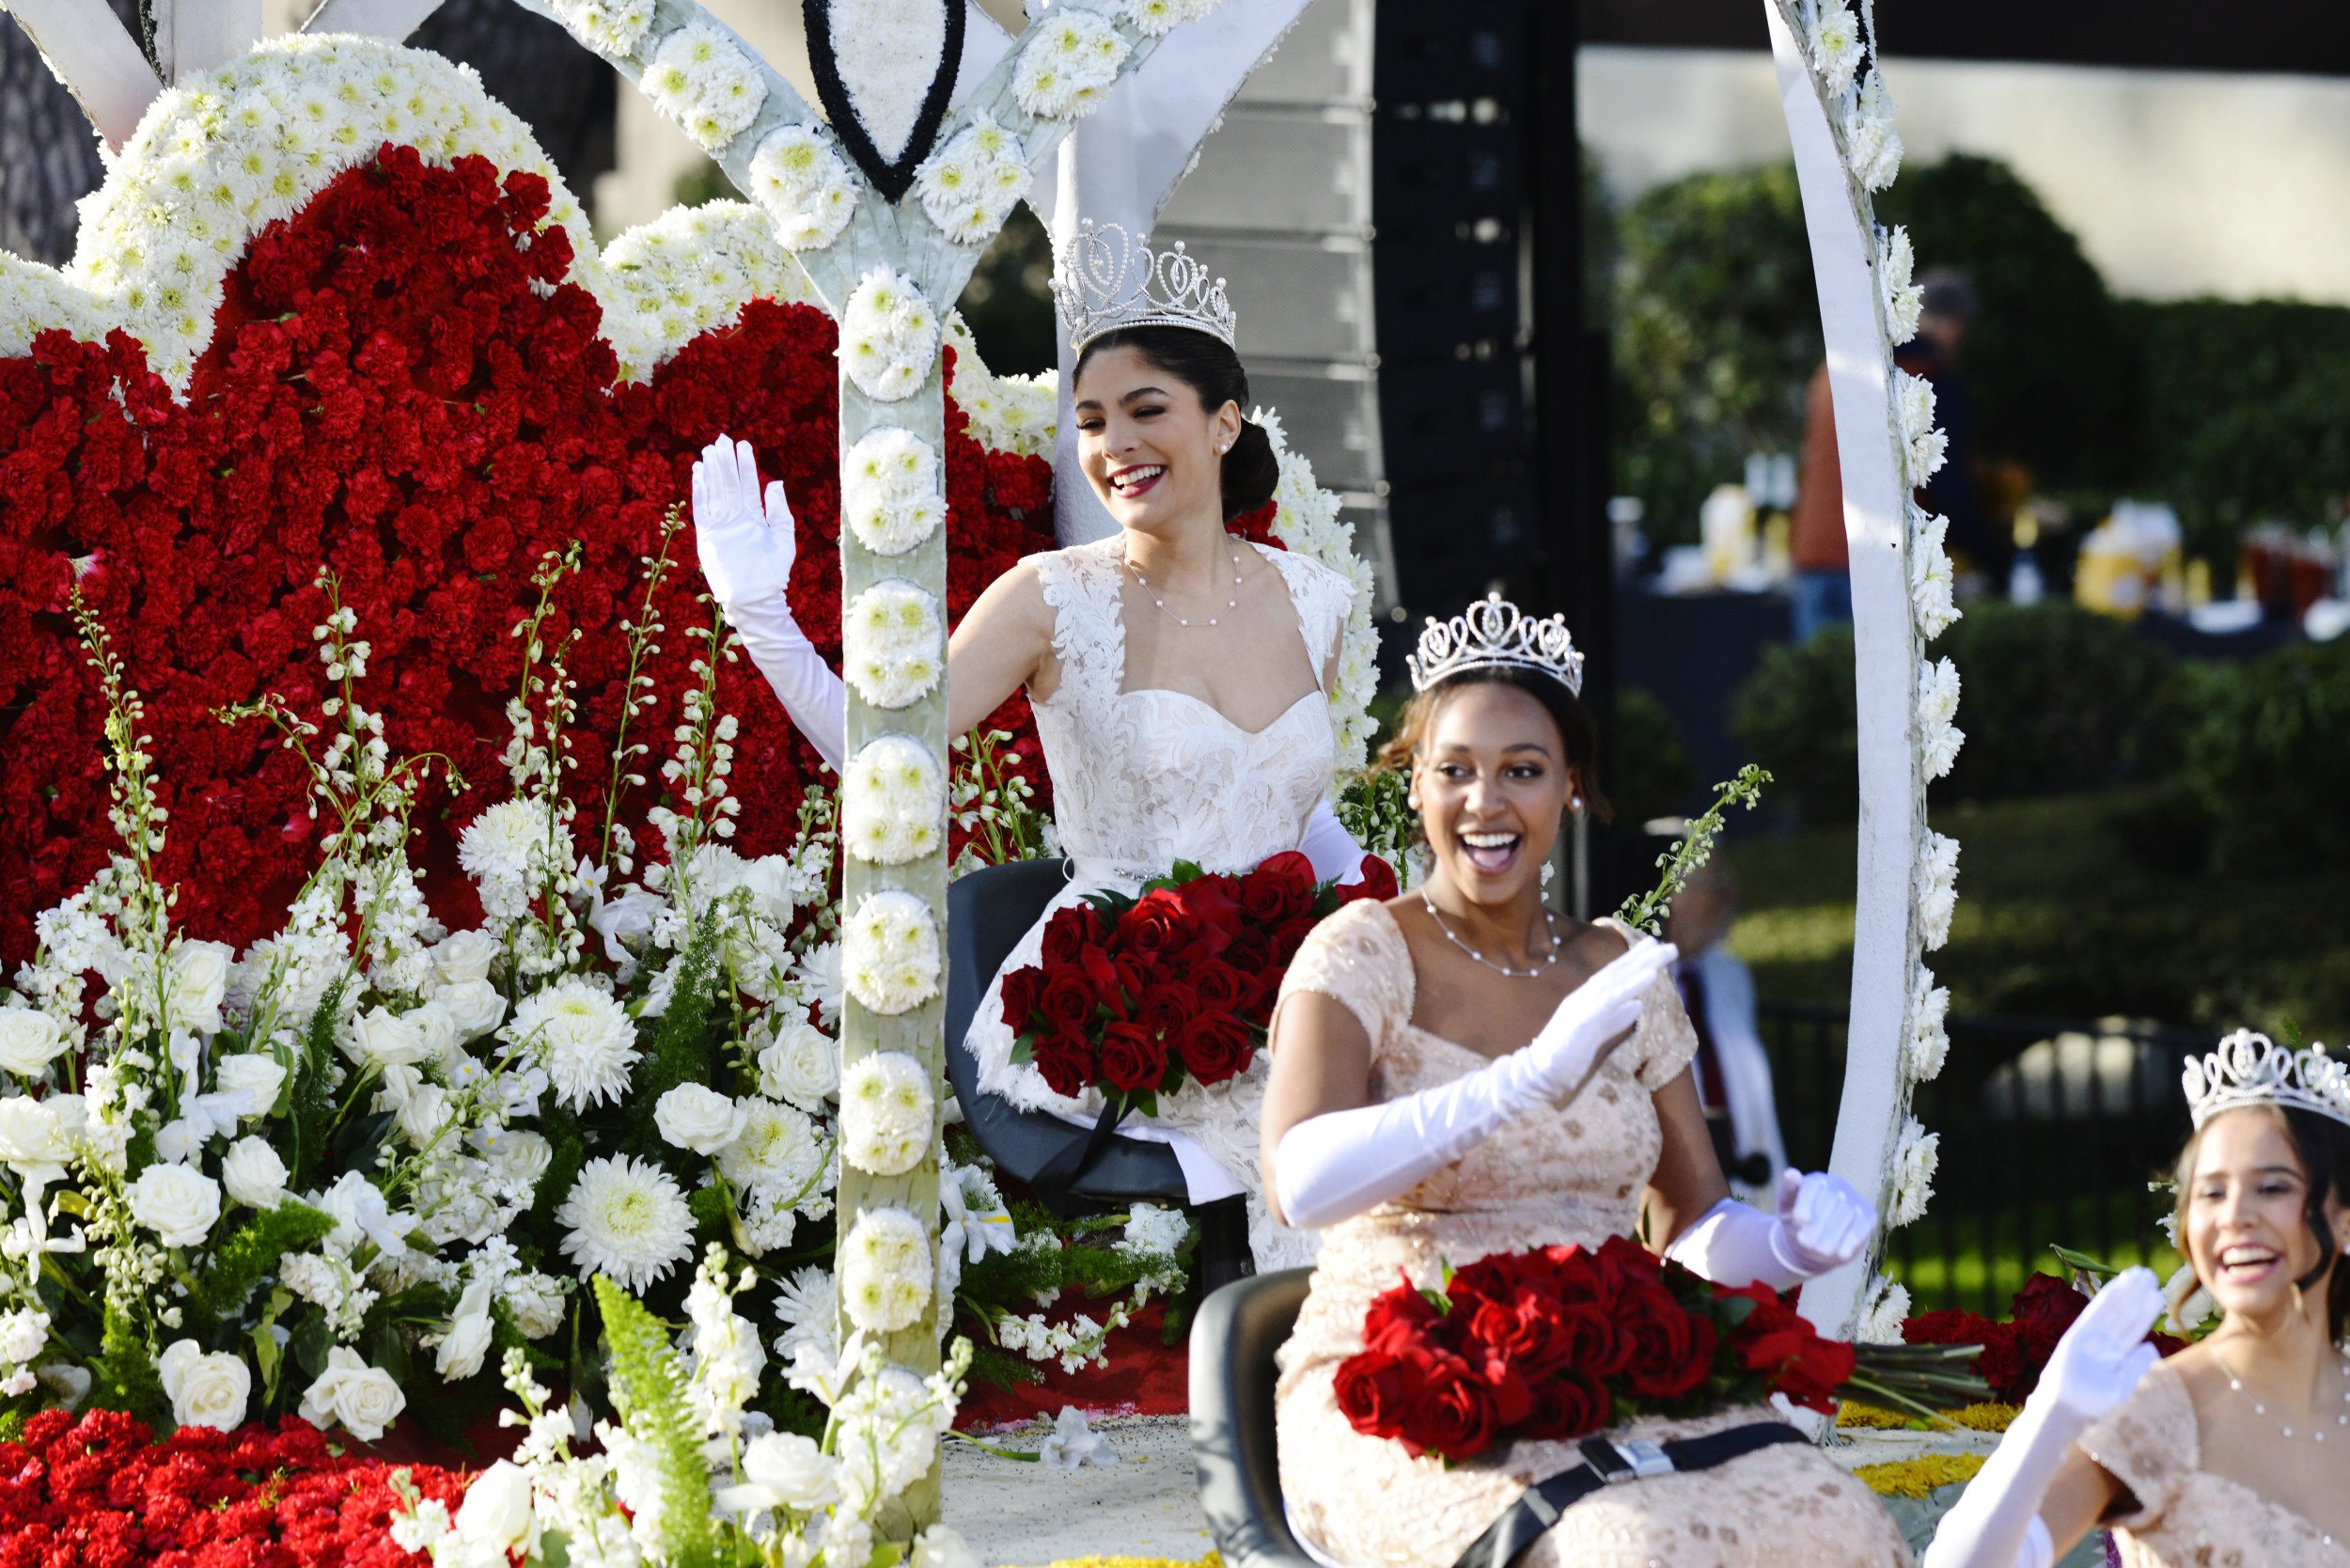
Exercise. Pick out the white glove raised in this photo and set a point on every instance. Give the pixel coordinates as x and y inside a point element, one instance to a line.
<point>1562,1055</point>
<point>1822,1223</point>
<point>2099,1361</point>
<point>746,547</point>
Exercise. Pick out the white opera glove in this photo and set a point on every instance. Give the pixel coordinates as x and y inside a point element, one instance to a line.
<point>1823,1223</point>
<point>2097,1365</point>
<point>746,546</point>
<point>1331,848</point>
<point>1332,1166</point>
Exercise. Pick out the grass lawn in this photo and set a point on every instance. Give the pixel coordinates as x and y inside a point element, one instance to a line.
<point>2058,917</point>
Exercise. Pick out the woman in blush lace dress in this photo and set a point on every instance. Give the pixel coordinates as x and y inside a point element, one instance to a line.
<point>1180,676</point>
<point>2235,1451</point>
<point>1459,1073</point>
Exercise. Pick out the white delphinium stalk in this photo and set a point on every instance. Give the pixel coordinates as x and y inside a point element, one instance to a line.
<point>607,26</point>
<point>1932,579</point>
<point>1924,448</point>
<point>1307,519</point>
<point>893,643</point>
<point>1871,146</point>
<point>626,1219</point>
<point>704,82</point>
<point>799,177</point>
<point>1156,1232</point>
<point>1929,1036</point>
<point>1937,898</point>
<point>886,1113</point>
<point>721,1350</point>
<point>585,1040</point>
<point>890,953</point>
<point>890,336</point>
<point>891,495</point>
<point>1913,1162</point>
<point>1897,287</point>
<point>1938,735</point>
<point>1883,1311</point>
<point>893,802</point>
<point>885,1270</point>
<point>1834,37</point>
<point>886,1428</point>
<point>1069,63</point>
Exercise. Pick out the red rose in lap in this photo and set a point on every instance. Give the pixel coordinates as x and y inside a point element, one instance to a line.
<point>1450,1410</point>
<point>1219,987</point>
<point>1132,1060</point>
<point>1067,934</point>
<point>1067,999</point>
<point>1216,1046</point>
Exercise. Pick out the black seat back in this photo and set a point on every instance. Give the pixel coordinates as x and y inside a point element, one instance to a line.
<point>1233,1340</point>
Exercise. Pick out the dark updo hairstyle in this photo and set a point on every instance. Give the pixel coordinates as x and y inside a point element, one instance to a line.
<point>1208,366</point>
<point>1566,710</point>
<point>2322,1145</point>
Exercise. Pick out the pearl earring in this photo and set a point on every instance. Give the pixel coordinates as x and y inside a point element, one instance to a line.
<point>1575,803</point>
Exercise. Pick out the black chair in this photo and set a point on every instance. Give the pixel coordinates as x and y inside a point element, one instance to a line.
<point>987,912</point>
<point>1233,1340</point>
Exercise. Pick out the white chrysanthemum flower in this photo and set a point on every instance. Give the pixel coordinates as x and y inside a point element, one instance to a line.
<point>1071,60</point>
<point>885,1271</point>
<point>1929,1036</point>
<point>626,1219</point>
<point>1914,1163</point>
<point>890,494</point>
<point>583,1038</point>
<point>777,1148</point>
<point>707,84</point>
<point>696,1116</point>
<point>800,178</point>
<point>890,336</point>
<point>1903,297</point>
<point>1834,37</point>
<point>888,1113</point>
<point>893,802</point>
<point>810,1305</point>
<point>893,643</point>
<point>1932,579</point>
<point>1938,894</point>
<point>800,1065</point>
<point>1882,1311</point>
<point>820,971</point>
<point>1939,737</point>
<point>889,952</point>
<point>1873,147</point>
<point>607,26</point>
<point>1157,18</point>
<point>1923,448</point>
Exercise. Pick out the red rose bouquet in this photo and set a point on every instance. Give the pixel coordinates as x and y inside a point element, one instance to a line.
<point>2013,1353</point>
<point>1139,995</point>
<point>1561,1341</point>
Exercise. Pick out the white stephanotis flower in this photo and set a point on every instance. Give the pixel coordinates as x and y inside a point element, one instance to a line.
<point>607,26</point>
<point>1932,578</point>
<point>893,802</point>
<point>625,1219</point>
<point>1882,1311</point>
<point>1938,736</point>
<point>1158,18</point>
<point>700,78</point>
<point>1913,1162</point>
<point>890,494</point>
<point>1929,1036</point>
<point>890,336</point>
<point>888,1113</point>
<point>1897,287</point>
<point>800,179</point>
<point>583,1038</point>
<point>1872,149</point>
<point>1923,447</point>
<point>885,1271</point>
<point>1834,40</point>
<point>1937,896</point>
<point>889,952</point>
<point>893,643</point>
<point>1067,65</point>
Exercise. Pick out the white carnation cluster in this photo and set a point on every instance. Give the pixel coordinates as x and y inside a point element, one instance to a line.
<point>700,78</point>
<point>1070,63</point>
<point>1158,18</point>
<point>1938,735</point>
<point>1937,896</point>
<point>893,802</point>
<point>888,1113</point>
<point>1929,1036</point>
<point>890,336</point>
<point>1914,1161</point>
<point>1897,287</point>
<point>1833,37</point>
<point>799,177</point>
<point>1872,149</point>
<point>890,492</point>
<point>1932,579</point>
<point>890,953</point>
<point>969,185</point>
<point>1924,448</point>
<point>1306,519</point>
<point>1011,413</point>
<point>1883,1311</point>
<point>885,1270</point>
<point>690,270</point>
<point>893,642</point>
<point>607,26</point>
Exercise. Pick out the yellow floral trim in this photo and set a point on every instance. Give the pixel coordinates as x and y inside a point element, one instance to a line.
<point>1989,1417</point>
<point>1915,1478</point>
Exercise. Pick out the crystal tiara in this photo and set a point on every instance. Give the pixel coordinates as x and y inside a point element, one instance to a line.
<point>2251,1070</point>
<point>1493,633</point>
<point>1104,278</point>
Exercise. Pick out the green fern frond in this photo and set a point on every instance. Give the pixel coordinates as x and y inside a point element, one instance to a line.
<point>649,1391</point>
<point>241,1264</point>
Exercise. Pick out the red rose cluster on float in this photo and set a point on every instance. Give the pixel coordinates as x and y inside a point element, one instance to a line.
<point>97,1491</point>
<point>2016,1351</point>
<point>402,384</point>
<point>1560,1341</point>
<point>1138,996</point>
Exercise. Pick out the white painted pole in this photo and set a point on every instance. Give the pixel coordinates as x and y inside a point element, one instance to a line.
<point>95,58</point>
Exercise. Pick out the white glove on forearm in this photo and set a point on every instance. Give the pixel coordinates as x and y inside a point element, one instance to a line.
<point>1331,848</point>
<point>747,546</point>
<point>1823,1223</point>
<point>1330,1168</point>
<point>2096,1366</point>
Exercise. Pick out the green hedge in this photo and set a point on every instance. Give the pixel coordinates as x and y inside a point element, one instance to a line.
<point>2267,758</point>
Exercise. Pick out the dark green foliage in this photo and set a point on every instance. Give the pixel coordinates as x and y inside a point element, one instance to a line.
<point>250,1254</point>
<point>1653,775</point>
<point>2267,759</point>
<point>313,1100</point>
<point>679,1050</point>
<point>567,1151</point>
<point>1795,715</point>
<point>1025,1272</point>
<point>2056,698</point>
<point>649,1391</point>
<point>124,1377</point>
<point>1008,304</point>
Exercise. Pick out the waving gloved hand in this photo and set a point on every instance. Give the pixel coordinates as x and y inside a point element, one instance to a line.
<point>2099,1361</point>
<point>1822,1223</point>
<point>747,546</point>
<point>1562,1055</point>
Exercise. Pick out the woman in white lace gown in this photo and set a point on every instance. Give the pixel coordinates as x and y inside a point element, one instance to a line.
<point>1179,679</point>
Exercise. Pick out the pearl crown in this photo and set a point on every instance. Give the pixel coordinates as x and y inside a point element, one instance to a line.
<point>2251,1069</point>
<point>1104,278</point>
<point>1496,634</point>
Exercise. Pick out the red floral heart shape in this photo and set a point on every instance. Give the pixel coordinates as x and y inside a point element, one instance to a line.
<point>403,387</point>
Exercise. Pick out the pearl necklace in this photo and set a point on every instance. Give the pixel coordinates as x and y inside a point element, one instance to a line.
<point>1550,925</point>
<point>1162,603</point>
<point>2259,1409</point>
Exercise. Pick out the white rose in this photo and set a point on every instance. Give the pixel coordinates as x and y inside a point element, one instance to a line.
<point>436,1026</point>
<point>464,955</point>
<point>38,1135</point>
<point>537,1302</point>
<point>177,1202</point>
<point>496,1510</point>
<point>697,1117</point>
<point>387,1039</point>
<point>801,1475</point>
<point>769,880</point>
<point>474,1007</point>
<point>205,1390</point>
<point>462,1348</point>
<point>254,1174</point>
<point>363,1399</point>
<point>941,1546</point>
<point>801,1065</point>
<point>29,1040</point>
<point>196,978</point>
<point>255,1078</point>
<point>424,1114</point>
<point>518,1156</point>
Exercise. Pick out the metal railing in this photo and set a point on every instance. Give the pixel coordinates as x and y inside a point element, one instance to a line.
<point>2050,1129</point>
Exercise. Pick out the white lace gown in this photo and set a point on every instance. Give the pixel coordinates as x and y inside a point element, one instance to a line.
<point>1144,778</point>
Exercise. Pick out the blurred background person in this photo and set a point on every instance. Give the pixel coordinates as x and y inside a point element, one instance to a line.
<point>1732,1071</point>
